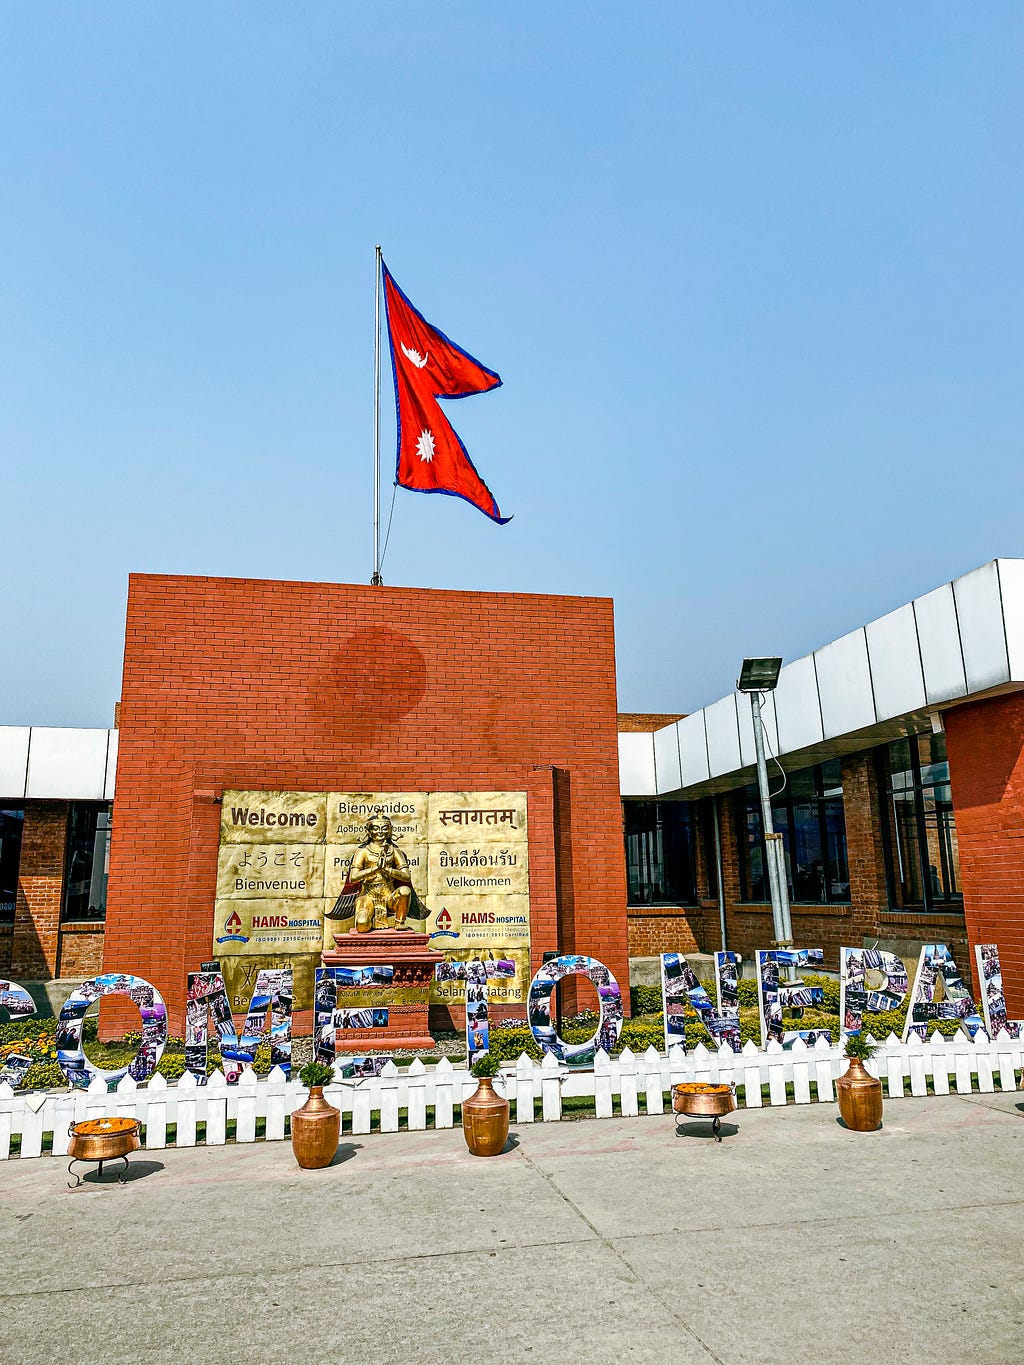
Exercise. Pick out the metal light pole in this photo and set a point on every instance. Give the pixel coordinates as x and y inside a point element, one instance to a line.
<point>758,676</point>
<point>775,852</point>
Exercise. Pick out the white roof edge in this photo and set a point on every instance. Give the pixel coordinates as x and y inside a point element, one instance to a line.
<point>54,763</point>
<point>963,639</point>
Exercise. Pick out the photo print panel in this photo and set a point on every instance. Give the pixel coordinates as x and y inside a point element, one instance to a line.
<point>856,966</point>
<point>541,992</point>
<point>269,1017</point>
<point>683,997</point>
<point>16,1001</point>
<point>346,1019</point>
<point>993,1004</point>
<point>477,1029</point>
<point>776,994</point>
<point>937,973</point>
<point>14,1069</point>
<point>359,1068</point>
<point>71,1057</point>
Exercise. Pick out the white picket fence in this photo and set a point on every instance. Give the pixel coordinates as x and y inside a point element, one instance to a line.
<point>417,1097</point>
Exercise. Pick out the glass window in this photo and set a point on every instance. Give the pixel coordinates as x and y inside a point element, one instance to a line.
<point>660,864</point>
<point>922,855</point>
<point>809,815</point>
<point>709,851</point>
<point>88,857</point>
<point>12,822</point>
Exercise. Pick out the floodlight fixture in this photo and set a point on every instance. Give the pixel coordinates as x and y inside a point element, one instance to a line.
<point>759,675</point>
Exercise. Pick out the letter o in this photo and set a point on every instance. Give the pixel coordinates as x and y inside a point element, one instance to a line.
<point>71,1056</point>
<point>542,986</point>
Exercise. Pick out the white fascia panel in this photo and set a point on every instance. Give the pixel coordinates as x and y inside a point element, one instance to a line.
<point>723,736</point>
<point>895,657</point>
<point>693,749</point>
<point>844,685</point>
<point>108,784</point>
<point>944,677</point>
<point>979,615</point>
<point>667,767</point>
<point>797,708</point>
<point>13,760</point>
<point>69,765</point>
<point>636,765</point>
<point>1011,582</point>
<point>748,754</point>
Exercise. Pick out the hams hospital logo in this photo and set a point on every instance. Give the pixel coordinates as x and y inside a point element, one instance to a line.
<point>233,922</point>
<point>444,926</point>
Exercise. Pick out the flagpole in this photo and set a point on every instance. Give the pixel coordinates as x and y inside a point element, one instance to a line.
<point>376,580</point>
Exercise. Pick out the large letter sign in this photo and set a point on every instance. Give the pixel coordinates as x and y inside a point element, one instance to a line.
<point>854,996</point>
<point>70,1056</point>
<point>993,1005</point>
<point>774,997</point>
<point>207,995</point>
<point>541,990</point>
<point>682,994</point>
<point>957,1003</point>
<point>19,1004</point>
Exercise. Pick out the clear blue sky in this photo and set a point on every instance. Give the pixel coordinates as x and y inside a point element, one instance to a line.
<point>751,275</point>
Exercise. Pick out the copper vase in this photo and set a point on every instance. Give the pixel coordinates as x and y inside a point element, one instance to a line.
<point>860,1098</point>
<point>316,1128</point>
<point>485,1119</point>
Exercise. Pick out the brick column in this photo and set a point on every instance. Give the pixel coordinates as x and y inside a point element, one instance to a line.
<point>985,742</point>
<point>40,889</point>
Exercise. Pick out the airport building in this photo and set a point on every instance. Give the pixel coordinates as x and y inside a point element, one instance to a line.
<point>487,722</point>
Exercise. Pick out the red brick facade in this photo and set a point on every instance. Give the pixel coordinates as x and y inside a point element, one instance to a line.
<point>242,683</point>
<point>985,742</point>
<point>868,917</point>
<point>37,946</point>
<point>34,943</point>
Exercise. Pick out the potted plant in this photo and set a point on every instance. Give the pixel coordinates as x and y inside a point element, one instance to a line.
<point>316,1127</point>
<point>858,1092</point>
<point>485,1113</point>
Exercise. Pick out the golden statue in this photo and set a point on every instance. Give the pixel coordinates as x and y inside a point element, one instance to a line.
<point>380,878</point>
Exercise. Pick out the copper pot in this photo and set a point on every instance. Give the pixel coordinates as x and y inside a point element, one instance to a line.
<point>485,1119</point>
<point>703,1101</point>
<point>103,1139</point>
<point>316,1128</point>
<point>860,1098</point>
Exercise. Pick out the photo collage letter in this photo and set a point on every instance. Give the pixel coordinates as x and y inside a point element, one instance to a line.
<point>341,1006</point>
<point>283,890</point>
<point>542,1020</point>
<point>935,966</point>
<point>855,997</point>
<point>683,996</point>
<point>776,996</point>
<point>70,1024</point>
<point>207,996</point>
<point>19,1005</point>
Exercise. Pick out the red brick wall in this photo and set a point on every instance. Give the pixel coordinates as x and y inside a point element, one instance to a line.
<point>749,925</point>
<point>40,884</point>
<point>81,950</point>
<point>985,742</point>
<point>655,929</point>
<point>257,684</point>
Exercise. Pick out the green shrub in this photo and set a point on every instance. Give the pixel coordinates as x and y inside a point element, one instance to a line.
<point>171,1066</point>
<point>316,1073</point>
<point>44,1076</point>
<point>645,999</point>
<point>485,1065</point>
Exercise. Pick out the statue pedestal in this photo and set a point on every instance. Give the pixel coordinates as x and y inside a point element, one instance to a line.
<point>407,999</point>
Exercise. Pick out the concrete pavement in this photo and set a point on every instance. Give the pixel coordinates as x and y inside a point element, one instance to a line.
<point>597,1241</point>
